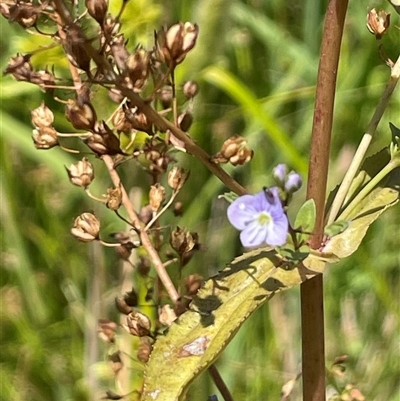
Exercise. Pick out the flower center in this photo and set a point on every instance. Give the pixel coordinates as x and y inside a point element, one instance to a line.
<point>263,218</point>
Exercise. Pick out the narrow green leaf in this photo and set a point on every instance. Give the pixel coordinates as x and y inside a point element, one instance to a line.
<point>336,228</point>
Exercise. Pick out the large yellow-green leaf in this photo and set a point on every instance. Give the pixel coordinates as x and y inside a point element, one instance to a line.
<point>228,299</point>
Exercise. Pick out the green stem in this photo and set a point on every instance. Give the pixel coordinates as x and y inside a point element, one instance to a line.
<point>368,188</point>
<point>364,144</point>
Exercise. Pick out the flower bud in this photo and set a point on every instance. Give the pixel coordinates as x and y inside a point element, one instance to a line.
<point>42,116</point>
<point>138,324</point>
<point>166,315</point>
<point>86,227</point>
<point>156,196</point>
<point>176,178</point>
<point>97,9</point>
<point>144,349</point>
<point>182,241</point>
<point>279,173</point>
<point>235,151</point>
<point>81,116</point>
<point>81,173</point>
<point>45,137</point>
<point>190,89</point>
<point>378,23</point>
<point>176,42</point>
<point>114,198</point>
<point>293,182</point>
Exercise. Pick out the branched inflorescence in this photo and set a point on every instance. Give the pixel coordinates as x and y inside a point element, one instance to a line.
<point>146,122</point>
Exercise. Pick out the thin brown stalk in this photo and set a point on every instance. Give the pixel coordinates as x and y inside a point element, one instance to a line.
<point>312,307</point>
<point>219,382</point>
<point>144,238</point>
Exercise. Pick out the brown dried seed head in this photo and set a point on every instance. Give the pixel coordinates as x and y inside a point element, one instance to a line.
<point>81,116</point>
<point>144,349</point>
<point>156,196</point>
<point>114,198</point>
<point>138,324</point>
<point>20,67</point>
<point>166,315</point>
<point>234,150</point>
<point>165,96</point>
<point>190,89</point>
<point>176,42</point>
<point>86,227</point>
<point>122,306</point>
<point>81,173</point>
<point>97,9</point>
<point>44,137</point>
<point>139,120</point>
<point>378,23</point>
<point>193,284</point>
<point>182,241</point>
<point>120,122</point>
<point>138,67</point>
<point>25,14</point>
<point>185,121</point>
<point>176,178</point>
<point>103,141</point>
<point>106,329</point>
<point>42,116</point>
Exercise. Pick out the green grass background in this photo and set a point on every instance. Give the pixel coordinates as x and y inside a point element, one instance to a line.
<point>256,64</point>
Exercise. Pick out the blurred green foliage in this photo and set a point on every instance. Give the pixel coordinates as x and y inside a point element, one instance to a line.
<point>256,63</point>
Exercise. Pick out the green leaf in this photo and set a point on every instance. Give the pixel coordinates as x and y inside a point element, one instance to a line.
<point>305,220</point>
<point>380,199</point>
<point>337,227</point>
<point>200,335</point>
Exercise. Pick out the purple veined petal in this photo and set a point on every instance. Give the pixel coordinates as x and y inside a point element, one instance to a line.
<point>254,235</point>
<point>278,231</point>
<point>241,211</point>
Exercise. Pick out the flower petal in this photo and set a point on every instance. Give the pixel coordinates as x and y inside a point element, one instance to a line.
<point>241,211</point>
<point>254,235</point>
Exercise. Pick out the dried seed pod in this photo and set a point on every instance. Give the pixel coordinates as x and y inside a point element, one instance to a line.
<point>124,251</point>
<point>25,14</point>
<point>114,198</point>
<point>81,115</point>
<point>138,67</point>
<point>182,241</point>
<point>166,315</point>
<point>156,196</point>
<point>144,349</point>
<point>176,178</point>
<point>20,67</point>
<point>42,116</point>
<point>178,209</point>
<point>138,120</point>
<point>75,48</point>
<point>138,324</point>
<point>103,141</point>
<point>131,298</point>
<point>234,150</point>
<point>116,362</point>
<point>146,214</point>
<point>185,121</point>
<point>106,329</point>
<point>378,22</point>
<point>176,42</point>
<point>165,96</point>
<point>122,306</point>
<point>143,267</point>
<point>119,51</point>
<point>190,89</point>
<point>120,122</point>
<point>86,227</point>
<point>193,284</point>
<point>97,9</point>
<point>45,79</point>
<point>45,138</point>
<point>81,173</point>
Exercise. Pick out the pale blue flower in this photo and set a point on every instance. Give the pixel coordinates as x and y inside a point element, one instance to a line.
<point>260,218</point>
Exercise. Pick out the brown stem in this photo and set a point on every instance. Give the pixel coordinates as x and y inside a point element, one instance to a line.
<point>144,238</point>
<point>219,382</point>
<point>312,307</point>
<point>190,146</point>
